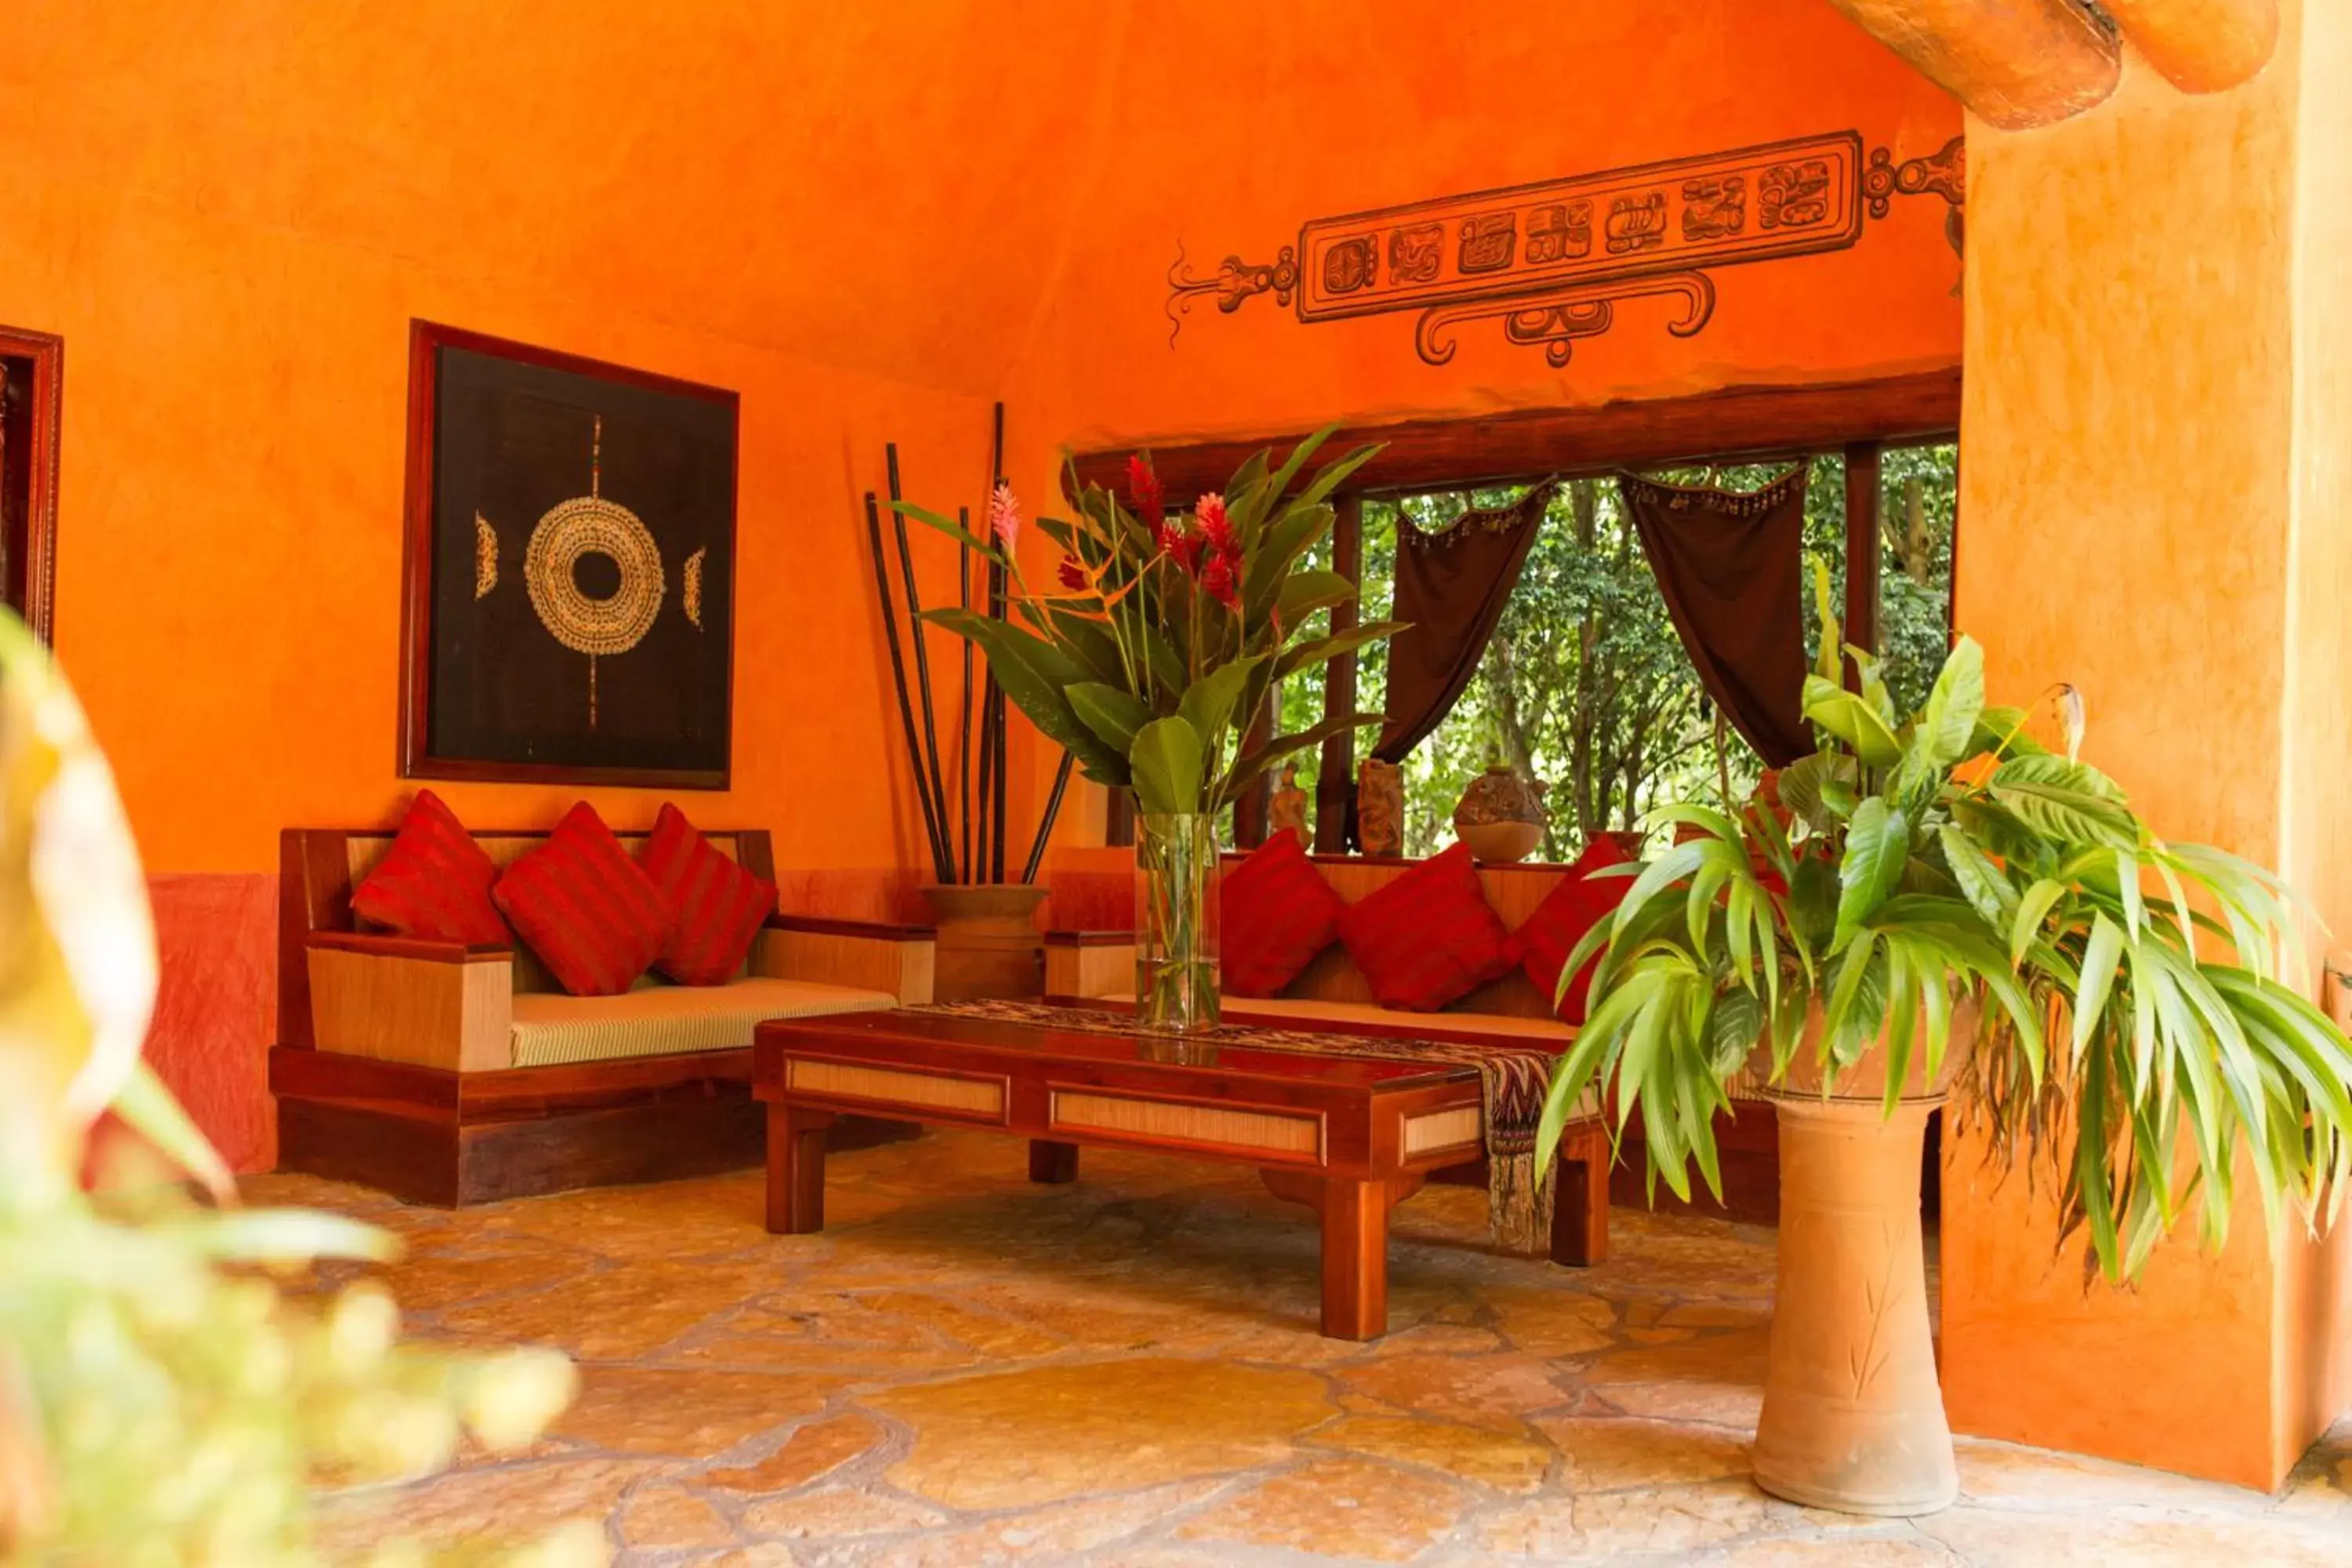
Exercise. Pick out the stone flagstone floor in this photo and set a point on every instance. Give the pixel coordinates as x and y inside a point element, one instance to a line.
<point>969,1369</point>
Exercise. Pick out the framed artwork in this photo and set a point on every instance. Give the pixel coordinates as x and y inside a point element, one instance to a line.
<point>568,608</point>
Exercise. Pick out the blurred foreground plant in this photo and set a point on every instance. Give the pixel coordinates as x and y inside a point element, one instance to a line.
<point>160,1402</point>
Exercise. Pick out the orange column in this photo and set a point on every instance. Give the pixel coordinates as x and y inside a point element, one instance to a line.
<point>2158,366</point>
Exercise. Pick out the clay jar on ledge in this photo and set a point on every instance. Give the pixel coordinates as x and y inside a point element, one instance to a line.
<point>1501,815</point>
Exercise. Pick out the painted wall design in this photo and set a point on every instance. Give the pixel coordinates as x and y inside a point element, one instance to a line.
<point>1552,261</point>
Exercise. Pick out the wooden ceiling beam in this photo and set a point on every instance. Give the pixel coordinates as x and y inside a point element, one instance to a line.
<point>2017,63</point>
<point>1739,422</point>
<point>2201,46</point>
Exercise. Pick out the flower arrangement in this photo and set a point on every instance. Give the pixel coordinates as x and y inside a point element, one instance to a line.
<point>1168,633</point>
<point>1169,630</point>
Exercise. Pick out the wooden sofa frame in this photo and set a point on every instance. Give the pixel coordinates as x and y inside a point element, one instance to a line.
<point>392,1068</point>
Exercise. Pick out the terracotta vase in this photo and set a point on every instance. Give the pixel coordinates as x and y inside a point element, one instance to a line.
<point>1854,1414</point>
<point>988,941</point>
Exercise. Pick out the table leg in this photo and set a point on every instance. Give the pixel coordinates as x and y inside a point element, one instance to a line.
<point>1355,1259</point>
<point>796,1169</point>
<point>1053,1164</point>
<point>1579,1212</point>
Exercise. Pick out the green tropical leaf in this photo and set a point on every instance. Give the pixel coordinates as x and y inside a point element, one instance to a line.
<point>1037,676</point>
<point>1165,762</point>
<point>1854,720</point>
<point>1303,592</point>
<point>1110,714</point>
<point>1954,704</point>
<point>1209,702</point>
<point>1307,655</point>
<point>1877,841</point>
<point>2066,800</point>
<point>1985,885</point>
<point>952,528</point>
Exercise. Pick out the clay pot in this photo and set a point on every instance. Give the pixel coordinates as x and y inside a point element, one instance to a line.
<point>988,941</point>
<point>1500,816</point>
<point>1854,1414</point>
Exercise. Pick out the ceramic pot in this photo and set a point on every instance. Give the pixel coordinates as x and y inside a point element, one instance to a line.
<point>1854,1414</point>
<point>1501,815</point>
<point>988,941</point>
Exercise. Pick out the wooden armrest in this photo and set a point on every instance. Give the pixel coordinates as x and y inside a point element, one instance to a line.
<point>384,944</point>
<point>1084,964</point>
<point>871,931</point>
<point>434,1004</point>
<point>870,956</point>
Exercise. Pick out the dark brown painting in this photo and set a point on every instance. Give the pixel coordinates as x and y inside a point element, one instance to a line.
<point>571,569</point>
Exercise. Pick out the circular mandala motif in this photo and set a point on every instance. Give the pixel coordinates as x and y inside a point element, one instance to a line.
<point>590,525</point>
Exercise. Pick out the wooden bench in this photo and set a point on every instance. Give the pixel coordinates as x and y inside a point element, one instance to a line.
<point>445,1074</point>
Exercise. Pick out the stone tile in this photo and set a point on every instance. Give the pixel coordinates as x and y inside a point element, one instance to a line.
<point>813,1450</point>
<point>1055,1532</point>
<point>1897,1550</point>
<point>1101,1427</point>
<point>1992,1538</point>
<point>1664,1520</point>
<point>618,1314</point>
<point>1558,1323</point>
<point>1716,1378</point>
<point>839,1511</point>
<point>1476,1454</point>
<point>686,1414</point>
<point>511,1503</point>
<point>1498,1392</point>
<point>1601,1454</point>
<point>654,1517</point>
<point>997,1338</point>
<point>1341,1508</point>
<point>431,1279</point>
<point>2000,1473</point>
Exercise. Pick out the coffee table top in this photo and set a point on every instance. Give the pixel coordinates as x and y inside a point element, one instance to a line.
<point>915,1036</point>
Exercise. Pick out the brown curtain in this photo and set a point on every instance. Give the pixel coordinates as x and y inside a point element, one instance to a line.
<point>1451,588</point>
<point>1730,564</point>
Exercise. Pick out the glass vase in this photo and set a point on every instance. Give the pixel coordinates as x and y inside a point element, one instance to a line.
<point>1176,922</point>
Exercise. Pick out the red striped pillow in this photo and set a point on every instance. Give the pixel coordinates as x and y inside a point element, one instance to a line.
<point>594,919</point>
<point>434,882</point>
<point>718,906</point>
<point>1429,937</point>
<point>1279,913</point>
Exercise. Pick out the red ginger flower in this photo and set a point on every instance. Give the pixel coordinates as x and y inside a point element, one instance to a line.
<point>1217,580</point>
<point>1073,575</point>
<point>1004,516</point>
<point>1150,501</point>
<point>1217,527</point>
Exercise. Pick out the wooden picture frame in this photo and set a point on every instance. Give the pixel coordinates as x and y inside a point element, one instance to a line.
<point>29,431</point>
<point>551,632</point>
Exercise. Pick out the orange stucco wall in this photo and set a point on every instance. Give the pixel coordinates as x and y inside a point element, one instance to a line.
<point>2147,459</point>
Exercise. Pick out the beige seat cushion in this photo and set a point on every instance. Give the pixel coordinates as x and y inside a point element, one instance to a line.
<point>668,1020</point>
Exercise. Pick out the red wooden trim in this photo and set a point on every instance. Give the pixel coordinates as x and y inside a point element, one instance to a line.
<point>426,338</point>
<point>1089,939</point>
<point>506,1093</point>
<point>47,352</point>
<point>387,945</point>
<point>756,853</point>
<point>873,931</point>
<point>1736,422</point>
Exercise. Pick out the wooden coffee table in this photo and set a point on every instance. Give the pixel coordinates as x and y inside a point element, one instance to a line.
<point>1350,1136</point>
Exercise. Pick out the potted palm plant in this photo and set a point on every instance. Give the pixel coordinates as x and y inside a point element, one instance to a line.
<point>1166,637</point>
<point>1939,906</point>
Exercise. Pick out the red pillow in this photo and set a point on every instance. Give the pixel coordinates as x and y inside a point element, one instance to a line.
<point>718,906</point>
<point>1428,937</point>
<point>434,882</point>
<point>594,919</point>
<point>1278,913</point>
<point>1542,944</point>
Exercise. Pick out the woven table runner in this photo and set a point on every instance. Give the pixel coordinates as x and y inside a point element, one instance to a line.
<point>1512,1082</point>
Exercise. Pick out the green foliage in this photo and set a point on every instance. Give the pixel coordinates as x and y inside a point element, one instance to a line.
<point>160,1402</point>
<point>1148,673</point>
<point>1586,684</point>
<point>1920,871</point>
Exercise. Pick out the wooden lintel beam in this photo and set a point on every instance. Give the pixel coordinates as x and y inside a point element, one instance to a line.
<point>2201,46</point>
<point>2017,63</point>
<point>1741,422</point>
